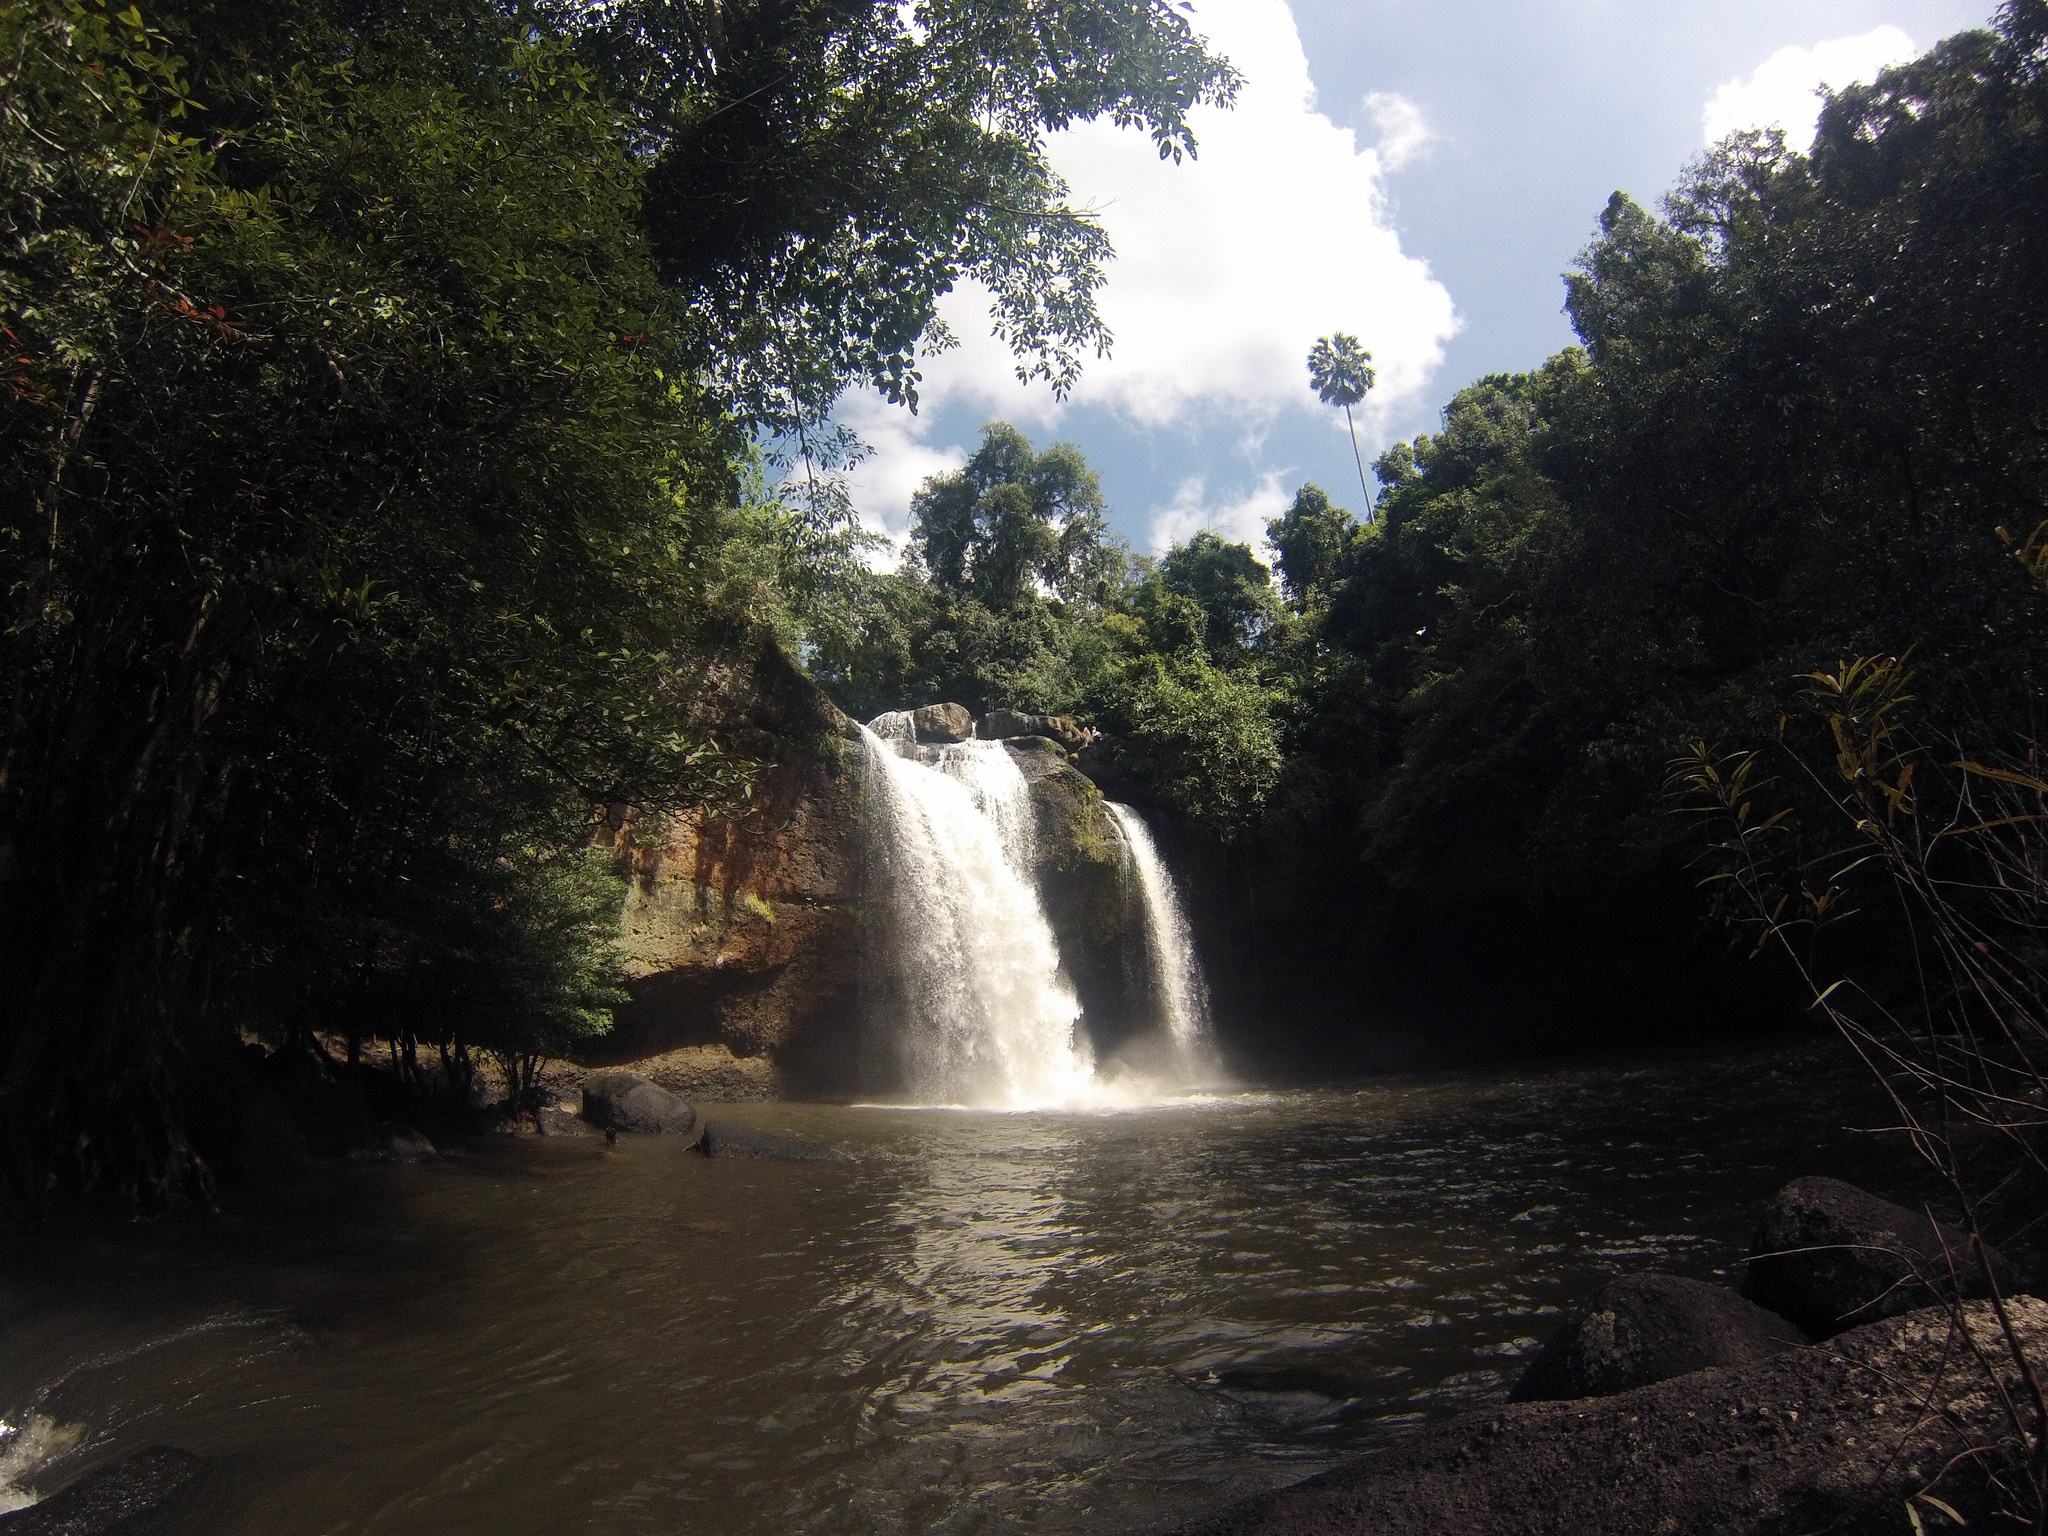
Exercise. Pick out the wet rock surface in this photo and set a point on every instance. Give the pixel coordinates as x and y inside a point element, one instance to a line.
<point>270,1144</point>
<point>1828,1438</point>
<point>728,1138</point>
<point>1094,906</point>
<point>390,1142</point>
<point>137,1494</point>
<point>943,723</point>
<point>741,931</point>
<point>1830,1256</point>
<point>626,1101</point>
<point>1646,1328</point>
<point>1008,724</point>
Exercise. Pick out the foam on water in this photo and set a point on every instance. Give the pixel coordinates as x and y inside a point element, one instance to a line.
<point>25,1448</point>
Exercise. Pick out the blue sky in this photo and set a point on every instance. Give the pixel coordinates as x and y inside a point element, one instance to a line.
<point>1418,172</point>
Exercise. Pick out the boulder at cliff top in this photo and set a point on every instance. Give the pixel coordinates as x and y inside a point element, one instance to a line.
<point>943,722</point>
<point>726,1138</point>
<point>145,1487</point>
<point>1830,1256</point>
<point>626,1101</point>
<point>1008,724</point>
<point>1645,1328</point>
<point>1835,1438</point>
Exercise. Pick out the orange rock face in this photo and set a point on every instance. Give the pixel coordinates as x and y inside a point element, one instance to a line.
<point>743,929</point>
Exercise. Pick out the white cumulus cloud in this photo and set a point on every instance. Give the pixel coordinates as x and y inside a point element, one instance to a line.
<point>898,462</point>
<point>1783,90</point>
<point>1228,267</point>
<point>1241,518</point>
<point>1403,131</point>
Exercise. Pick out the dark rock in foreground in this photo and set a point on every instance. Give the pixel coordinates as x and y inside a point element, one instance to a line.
<point>271,1144</point>
<point>1830,1256</point>
<point>130,1496</point>
<point>726,1138</point>
<point>390,1142</point>
<point>626,1101</point>
<point>1645,1328</point>
<point>943,723</point>
<point>1830,1438</point>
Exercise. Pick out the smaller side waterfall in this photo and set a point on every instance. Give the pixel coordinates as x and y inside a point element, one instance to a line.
<point>1176,971</point>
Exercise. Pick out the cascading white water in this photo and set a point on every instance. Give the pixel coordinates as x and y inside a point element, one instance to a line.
<point>1176,971</point>
<point>980,1013</point>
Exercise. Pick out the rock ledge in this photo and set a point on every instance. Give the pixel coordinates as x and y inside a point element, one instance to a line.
<point>1829,1437</point>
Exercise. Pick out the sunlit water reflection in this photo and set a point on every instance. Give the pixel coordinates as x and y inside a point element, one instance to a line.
<point>1071,1322</point>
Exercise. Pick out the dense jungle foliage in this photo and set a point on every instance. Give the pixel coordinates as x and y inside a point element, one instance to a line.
<point>1423,781</point>
<point>385,395</point>
<point>396,397</point>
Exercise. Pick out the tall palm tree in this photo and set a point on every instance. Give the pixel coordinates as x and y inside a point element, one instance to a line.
<point>1341,372</point>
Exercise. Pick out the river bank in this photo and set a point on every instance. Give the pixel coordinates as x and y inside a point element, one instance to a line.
<point>1845,1437</point>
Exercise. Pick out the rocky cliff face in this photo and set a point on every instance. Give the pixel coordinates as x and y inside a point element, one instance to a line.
<point>1091,899</point>
<point>743,930</point>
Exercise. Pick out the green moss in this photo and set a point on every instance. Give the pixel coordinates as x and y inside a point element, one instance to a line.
<point>1073,828</point>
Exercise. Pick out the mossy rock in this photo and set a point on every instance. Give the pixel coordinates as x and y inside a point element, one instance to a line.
<point>1091,898</point>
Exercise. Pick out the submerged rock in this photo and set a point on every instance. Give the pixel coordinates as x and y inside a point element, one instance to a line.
<point>1645,1328</point>
<point>559,1122</point>
<point>145,1487</point>
<point>943,723</point>
<point>389,1142</point>
<point>1281,1377</point>
<point>1831,1438</point>
<point>727,1138</point>
<point>626,1101</point>
<point>1830,1256</point>
<point>271,1144</point>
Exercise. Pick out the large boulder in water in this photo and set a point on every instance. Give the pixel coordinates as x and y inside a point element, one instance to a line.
<point>130,1496</point>
<point>388,1141</point>
<point>741,929</point>
<point>626,1101</point>
<point>1830,1256</point>
<point>270,1144</point>
<point>1645,1328</point>
<point>943,723</point>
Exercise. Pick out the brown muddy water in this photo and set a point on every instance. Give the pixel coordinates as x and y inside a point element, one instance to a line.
<point>1060,1322</point>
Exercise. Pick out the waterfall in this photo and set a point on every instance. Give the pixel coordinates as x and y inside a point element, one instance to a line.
<point>1176,971</point>
<point>977,1010</point>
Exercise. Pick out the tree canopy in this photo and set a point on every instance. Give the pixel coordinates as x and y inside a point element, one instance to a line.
<point>1802,425</point>
<point>381,409</point>
<point>819,175</point>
